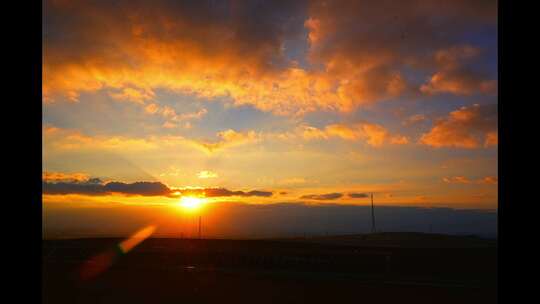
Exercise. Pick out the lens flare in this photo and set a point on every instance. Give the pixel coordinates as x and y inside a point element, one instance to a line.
<point>103,261</point>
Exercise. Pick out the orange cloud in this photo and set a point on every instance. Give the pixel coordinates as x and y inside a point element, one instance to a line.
<point>463,128</point>
<point>451,58</point>
<point>414,119</point>
<point>399,140</point>
<point>151,108</point>
<point>345,132</point>
<point>458,83</point>
<point>173,119</point>
<point>64,139</point>
<point>492,139</point>
<point>456,180</point>
<point>488,180</point>
<point>229,138</point>
<point>492,180</point>
<point>232,50</point>
<point>369,56</point>
<point>207,174</point>
<point>453,76</point>
<point>164,46</point>
<point>373,134</point>
<point>64,177</point>
<point>376,134</point>
<point>169,125</point>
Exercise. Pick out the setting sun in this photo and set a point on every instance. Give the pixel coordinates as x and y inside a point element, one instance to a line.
<point>191,203</point>
<point>222,151</point>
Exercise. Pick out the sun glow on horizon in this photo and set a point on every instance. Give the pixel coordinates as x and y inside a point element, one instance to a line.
<point>191,203</point>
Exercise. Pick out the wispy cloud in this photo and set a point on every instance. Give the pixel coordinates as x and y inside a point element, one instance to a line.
<point>64,177</point>
<point>207,174</point>
<point>372,134</point>
<point>488,180</point>
<point>67,139</point>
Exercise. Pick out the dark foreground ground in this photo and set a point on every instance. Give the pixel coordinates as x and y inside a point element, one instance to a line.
<point>381,268</point>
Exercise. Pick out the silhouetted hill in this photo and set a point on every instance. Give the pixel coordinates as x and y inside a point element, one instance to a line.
<point>402,239</point>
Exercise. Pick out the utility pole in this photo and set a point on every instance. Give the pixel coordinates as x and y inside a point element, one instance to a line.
<point>200,227</point>
<point>373,229</point>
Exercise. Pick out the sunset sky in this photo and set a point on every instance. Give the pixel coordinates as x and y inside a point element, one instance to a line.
<point>267,102</point>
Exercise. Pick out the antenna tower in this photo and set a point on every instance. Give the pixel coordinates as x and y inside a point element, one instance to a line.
<point>373,229</point>
<point>200,227</point>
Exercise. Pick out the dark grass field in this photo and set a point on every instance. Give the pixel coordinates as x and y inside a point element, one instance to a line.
<point>382,268</point>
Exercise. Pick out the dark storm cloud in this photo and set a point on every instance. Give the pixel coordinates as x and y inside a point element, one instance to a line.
<point>322,197</point>
<point>138,188</point>
<point>73,188</point>
<point>258,28</point>
<point>379,39</point>
<point>95,187</point>
<point>358,195</point>
<point>222,192</point>
<point>75,30</point>
<point>363,28</point>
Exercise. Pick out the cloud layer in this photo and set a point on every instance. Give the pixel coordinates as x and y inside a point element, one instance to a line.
<point>322,197</point>
<point>66,139</point>
<point>313,98</point>
<point>97,187</point>
<point>241,50</point>
<point>332,196</point>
